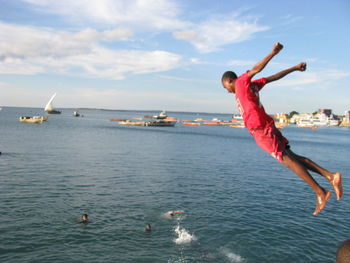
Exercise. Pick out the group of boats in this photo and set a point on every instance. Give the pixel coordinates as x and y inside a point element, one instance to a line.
<point>311,121</point>
<point>40,119</point>
<point>163,120</point>
<point>49,109</point>
<point>160,120</point>
<point>235,122</point>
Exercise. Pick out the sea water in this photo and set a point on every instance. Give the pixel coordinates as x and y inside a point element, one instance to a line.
<point>239,204</point>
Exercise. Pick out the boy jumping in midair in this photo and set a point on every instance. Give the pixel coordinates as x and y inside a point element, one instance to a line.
<point>262,127</point>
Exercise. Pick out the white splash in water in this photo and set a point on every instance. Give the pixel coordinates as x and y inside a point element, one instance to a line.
<point>233,257</point>
<point>183,236</point>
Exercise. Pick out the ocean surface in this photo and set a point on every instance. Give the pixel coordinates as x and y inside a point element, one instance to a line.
<point>238,203</point>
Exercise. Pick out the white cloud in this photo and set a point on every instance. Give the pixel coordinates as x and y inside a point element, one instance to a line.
<point>159,14</point>
<point>89,34</point>
<point>307,78</point>
<point>208,36</point>
<point>154,16</point>
<point>196,61</point>
<point>30,50</point>
<point>290,19</point>
<point>117,34</point>
<point>112,64</point>
<point>4,84</point>
<point>184,79</point>
<point>242,63</point>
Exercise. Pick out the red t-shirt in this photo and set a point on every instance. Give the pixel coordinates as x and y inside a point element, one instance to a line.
<point>247,98</point>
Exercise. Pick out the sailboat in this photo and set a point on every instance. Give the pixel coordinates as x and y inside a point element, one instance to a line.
<point>49,108</point>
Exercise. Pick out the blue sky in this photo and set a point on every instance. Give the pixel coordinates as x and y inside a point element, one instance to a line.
<point>170,54</point>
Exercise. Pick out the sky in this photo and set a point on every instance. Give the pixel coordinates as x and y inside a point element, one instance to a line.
<point>170,54</point>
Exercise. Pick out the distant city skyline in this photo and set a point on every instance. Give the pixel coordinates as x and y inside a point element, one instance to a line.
<point>170,54</point>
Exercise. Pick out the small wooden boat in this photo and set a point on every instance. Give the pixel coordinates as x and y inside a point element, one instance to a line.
<point>132,123</point>
<point>312,127</point>
<point>238,126</point>
<point>34,119</point>
<point>117,119</point>
<point>213,122</point>
<point>191,123</point>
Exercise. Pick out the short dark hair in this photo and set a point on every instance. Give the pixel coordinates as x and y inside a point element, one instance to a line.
<point>228,75</point>
<point>343,252</point>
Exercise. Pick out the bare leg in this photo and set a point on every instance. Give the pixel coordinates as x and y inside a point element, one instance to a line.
<point>298,168</point>
<point>334,178</point>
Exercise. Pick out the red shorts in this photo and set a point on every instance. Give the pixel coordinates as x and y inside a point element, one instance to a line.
<point>271,140</point>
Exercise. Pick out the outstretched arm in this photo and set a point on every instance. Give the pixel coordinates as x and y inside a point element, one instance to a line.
<point>300,67</point>
<point>261,64</point>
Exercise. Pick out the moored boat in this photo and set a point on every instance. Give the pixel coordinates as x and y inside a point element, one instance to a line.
<point>162,115</point>
<point>132,123</point>
<point>33,119</point>
<point>238,125</point>
<point>49,108</point>
<point>160,123</point>
<point>191,123</point>
<point>117,119</point>
<point>213,122</point>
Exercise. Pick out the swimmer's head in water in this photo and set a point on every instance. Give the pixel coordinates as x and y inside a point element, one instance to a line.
<point>84,217</point>
<point>148,227</point>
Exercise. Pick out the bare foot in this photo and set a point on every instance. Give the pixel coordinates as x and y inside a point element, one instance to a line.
<point>337,185</point>
<point>321,202</point>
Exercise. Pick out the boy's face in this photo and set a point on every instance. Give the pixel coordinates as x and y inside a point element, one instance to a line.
<point>229,85</point>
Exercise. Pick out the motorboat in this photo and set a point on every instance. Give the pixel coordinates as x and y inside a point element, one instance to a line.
<point>160,123</point>
<point>161,115</point>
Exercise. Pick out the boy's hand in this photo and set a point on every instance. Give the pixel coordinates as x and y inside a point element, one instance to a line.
<point>277,48</point>
<point>301,66</point>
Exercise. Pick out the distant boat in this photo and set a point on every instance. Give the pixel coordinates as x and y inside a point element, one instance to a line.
<point>34,119</point>
<point>191,123</point>
<point>160,123</point>
<point>117,119</point>
<point>49,108</point>
<point>161,115</point>
<point>132,123</point>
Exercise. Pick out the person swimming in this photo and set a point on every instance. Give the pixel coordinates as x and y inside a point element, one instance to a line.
<point>148,227</point>
<point>84,218</point>
<point>172,213</point>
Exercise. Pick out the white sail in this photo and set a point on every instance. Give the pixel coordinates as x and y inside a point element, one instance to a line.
<point>49,106</point>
